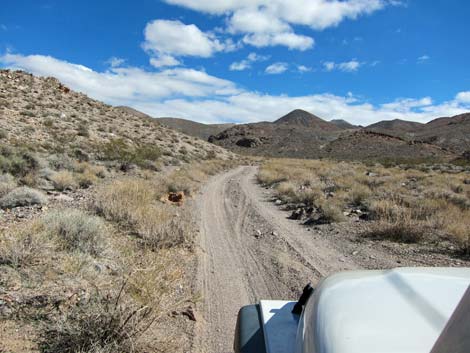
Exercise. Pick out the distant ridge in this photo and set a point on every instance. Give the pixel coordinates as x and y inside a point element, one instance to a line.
<point>343,124</point>
<point>193,128</point>
<point>303,118</point>
<point>397,126</point>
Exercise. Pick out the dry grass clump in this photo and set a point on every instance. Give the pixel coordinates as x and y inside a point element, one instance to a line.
<point>77,231</point>
<point>104,324</point>
<point>135,203</point>
<point>22,196</point>
<point>407,205</point>
<point>64,180</point>
<point>7,184</point>
<point>20,247</point>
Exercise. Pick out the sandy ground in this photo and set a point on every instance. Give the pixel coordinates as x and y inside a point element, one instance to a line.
<point>249,250</point>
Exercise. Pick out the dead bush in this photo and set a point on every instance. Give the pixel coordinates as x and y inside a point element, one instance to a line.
<point>77,231</point>
<point>104,324</point>
<point>22,196</point>
<point>64,180</point>
<point>22,246</point>
<point>404,231</point>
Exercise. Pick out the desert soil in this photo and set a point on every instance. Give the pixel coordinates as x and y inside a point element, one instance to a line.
<point>249,250</point>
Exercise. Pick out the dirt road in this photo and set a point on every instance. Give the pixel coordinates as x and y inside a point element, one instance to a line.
<point>249,250</point>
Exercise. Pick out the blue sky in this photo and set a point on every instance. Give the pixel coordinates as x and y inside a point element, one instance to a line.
<point>250,60</point>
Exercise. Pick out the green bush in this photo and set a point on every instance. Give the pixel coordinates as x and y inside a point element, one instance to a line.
<point>77,231</point>
<point>22,196</point>
<point>119,150</point>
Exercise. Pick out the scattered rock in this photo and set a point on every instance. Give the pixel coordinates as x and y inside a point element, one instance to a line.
<point>189,313</point>
<point>297,214</point>
<point>176,197</point>
<point>278,202</point>
<point>258,233</point>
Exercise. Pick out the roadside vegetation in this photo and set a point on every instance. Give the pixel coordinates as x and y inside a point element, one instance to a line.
<point>104,274</point>
<point>403,204</point>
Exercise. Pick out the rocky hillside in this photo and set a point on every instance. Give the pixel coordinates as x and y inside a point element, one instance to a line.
<point>373,146</point>
<point>303,119</point>
<point>452,133</point>
<point>276,139</point>
<point>43,115</point>
<point>397,127</point>
<point>193,128</point>
<point>300,134</point>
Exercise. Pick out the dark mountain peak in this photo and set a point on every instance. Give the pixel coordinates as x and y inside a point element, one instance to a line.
<point>302,118</point>
<point>343,124</point>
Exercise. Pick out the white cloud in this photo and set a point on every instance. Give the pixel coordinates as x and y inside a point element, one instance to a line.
<point>115,62</point>
<point>127,85</point>
<point>240,65</point>
<point>276,68</point>
<point>463,97</point>
<point>164,60</point>
<point>269,22</point>
<point>288,39</point>
<point>347,66</point>
<point>246,63</point>
<point>303,68</point>
<point>199,96</point>
<point>423,59</point>
<point>165,37</point>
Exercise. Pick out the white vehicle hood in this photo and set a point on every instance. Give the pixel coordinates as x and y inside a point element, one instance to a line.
<point>396,311</point>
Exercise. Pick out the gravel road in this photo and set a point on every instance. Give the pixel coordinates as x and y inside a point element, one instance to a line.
<point>249,250</point>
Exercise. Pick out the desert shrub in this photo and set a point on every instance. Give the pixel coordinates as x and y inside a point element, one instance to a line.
<point>358,194</point>
<point>48,123</point>
<point>60,161</point>
<point>104,324</point>
<point>83,131</point>
<point>23,246</point>
<point>119,150</point>
<point>331,212</point>
<point>7,183</point>
<point>64,180</point>
<point>3,134</point>
<point>135,203</point>
<point>77,231</point>
<point>18,162</point>
<point>86,179</point>
<point>403,230</point>
<point>22,196</point>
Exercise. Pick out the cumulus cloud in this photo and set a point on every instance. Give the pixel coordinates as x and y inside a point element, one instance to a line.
<point>270,22</point>
<point>174,38</point>
<point>276,68</point>
<point>196,95</point>
<point>303,68</point>
<point>123,85</point>
<point>463,97</point>
<point>347,66</point>
<point>246,63</point>
<point>164,60</point>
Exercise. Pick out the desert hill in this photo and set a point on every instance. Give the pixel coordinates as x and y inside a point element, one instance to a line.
<point>452,133</point>
<point>193,128</point>
<point>42,115</point>
<point>343,124</point>
<point>300,134</point>
<point>304,119</point>
<point>291,136</point>
<point>396,127</point>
